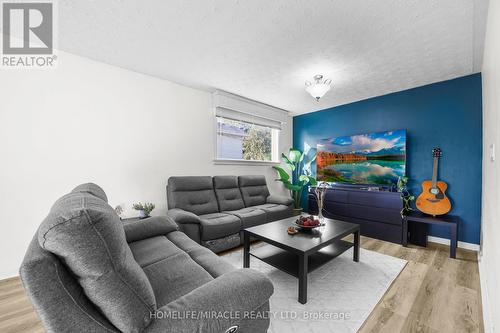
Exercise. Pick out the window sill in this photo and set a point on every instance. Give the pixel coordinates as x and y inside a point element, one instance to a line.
<point>244,162</point>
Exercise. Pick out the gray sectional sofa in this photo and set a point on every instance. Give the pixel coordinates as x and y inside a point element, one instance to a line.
<point>87,271</point>
<point>213,211</point>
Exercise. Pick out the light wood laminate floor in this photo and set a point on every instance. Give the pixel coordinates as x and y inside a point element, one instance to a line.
<point>432,294</point>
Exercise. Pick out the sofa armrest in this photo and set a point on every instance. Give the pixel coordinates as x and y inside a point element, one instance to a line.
<point>237,298</point>
<point>188,223</point>
<point>149,227</point>
<point>280,200</point>
<point>181,216</point>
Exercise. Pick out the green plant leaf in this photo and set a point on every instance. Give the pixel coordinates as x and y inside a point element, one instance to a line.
<point>288,163</point>
<point>302,183</point>
<point>294,155</point>
<point>285,159</point>
<point>286,183</point>
<point>312,181</point>
<point>293,187</point>
<point>303,178</point>
<point>284,176</point>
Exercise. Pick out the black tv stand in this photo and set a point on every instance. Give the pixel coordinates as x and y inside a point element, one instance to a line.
<point>378,212</point>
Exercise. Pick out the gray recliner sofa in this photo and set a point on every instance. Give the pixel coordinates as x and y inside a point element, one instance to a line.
<point>87,271</point>
<point>213,211</point>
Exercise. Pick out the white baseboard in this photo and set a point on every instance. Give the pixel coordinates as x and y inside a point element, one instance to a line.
<point>445,241</point>
<point>487,319</point>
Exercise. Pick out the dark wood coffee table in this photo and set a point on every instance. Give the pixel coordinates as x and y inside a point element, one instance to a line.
<point>301,253</point>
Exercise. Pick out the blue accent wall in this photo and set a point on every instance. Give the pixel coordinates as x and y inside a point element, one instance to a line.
<point>446,114</point>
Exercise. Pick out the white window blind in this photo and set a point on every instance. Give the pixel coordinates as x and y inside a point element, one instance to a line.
<point>235,107</point>
<point>248,118</point>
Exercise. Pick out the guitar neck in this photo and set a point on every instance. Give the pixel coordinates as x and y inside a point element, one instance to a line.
<point>435,172</point>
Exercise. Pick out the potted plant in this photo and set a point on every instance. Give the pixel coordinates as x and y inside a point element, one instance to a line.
<point>406,196</point>
<point>299,165</point>
<point>144,209</point>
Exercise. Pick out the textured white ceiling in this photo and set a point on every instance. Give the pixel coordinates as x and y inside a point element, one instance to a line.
<point>266,49</point>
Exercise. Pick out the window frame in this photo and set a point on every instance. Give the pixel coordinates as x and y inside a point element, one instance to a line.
<point>275,133</point>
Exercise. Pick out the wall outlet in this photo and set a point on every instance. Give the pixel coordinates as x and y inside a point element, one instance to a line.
<point>492,152</point>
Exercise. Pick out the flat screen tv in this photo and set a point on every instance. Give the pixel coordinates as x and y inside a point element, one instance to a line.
<point>376,158</point>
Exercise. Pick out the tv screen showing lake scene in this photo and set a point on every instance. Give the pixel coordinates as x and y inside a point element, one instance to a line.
<point>376,158</point>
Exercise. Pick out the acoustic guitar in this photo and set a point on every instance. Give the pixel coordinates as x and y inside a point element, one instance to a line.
<point>433,199</point>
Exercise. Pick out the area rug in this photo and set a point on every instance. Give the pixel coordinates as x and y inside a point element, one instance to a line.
<point>341,293</point>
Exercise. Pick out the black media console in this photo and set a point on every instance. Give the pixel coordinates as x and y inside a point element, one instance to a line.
<point>378,213</point>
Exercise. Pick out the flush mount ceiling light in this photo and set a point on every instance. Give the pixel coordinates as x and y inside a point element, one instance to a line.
<point>319,87</point>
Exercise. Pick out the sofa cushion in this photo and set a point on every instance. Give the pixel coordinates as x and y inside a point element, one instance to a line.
<point>87,235</point>
<point>218,225</point>
<point>228,193</point>
<point>275,212</point>
<point>250,216</point>
<point>212,263</point>
<point>171,271</point>
<point>194,194</point>
<point>235,302</point>
<point>253,189</point>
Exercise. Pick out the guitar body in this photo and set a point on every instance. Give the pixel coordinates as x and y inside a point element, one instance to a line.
<point>433,203</point>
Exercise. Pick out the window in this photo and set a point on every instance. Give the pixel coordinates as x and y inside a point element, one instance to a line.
<point>241,140</point>
<point>246,131</point>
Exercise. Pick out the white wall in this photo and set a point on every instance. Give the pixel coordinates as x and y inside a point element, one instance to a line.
<point>87,121</point>
<point>490,230</point>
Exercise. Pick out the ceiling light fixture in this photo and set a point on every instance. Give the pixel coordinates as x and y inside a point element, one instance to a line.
<point>319,87</point>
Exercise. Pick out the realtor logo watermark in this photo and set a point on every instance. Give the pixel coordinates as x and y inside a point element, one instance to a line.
<point>28,35</point>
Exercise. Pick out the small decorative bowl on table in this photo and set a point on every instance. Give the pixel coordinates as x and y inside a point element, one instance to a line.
<point>292,230</point>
